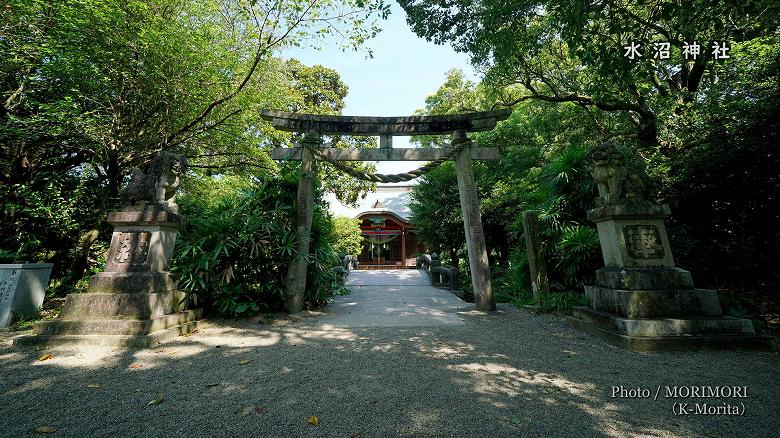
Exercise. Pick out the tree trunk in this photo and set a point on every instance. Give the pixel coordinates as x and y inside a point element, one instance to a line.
<point>114,176</point>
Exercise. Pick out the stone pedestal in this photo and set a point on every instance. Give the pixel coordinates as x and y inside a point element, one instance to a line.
<point>135,302</point>
<point>641,300</point>
<point>22,289</point>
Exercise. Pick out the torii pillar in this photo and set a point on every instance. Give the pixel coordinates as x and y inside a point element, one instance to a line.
<point>472,223</point>
<point>296,275</point>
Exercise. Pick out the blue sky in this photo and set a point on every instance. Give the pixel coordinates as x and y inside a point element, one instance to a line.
<point>405,70</point>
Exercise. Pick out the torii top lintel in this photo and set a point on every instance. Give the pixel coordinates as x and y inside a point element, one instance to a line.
<point>383,126</point>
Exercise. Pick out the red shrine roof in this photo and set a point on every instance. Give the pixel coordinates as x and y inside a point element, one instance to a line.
<point>379,210</point>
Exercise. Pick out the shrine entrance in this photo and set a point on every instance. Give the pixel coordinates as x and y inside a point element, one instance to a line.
<point>461,149</point>
<point>388,239</point>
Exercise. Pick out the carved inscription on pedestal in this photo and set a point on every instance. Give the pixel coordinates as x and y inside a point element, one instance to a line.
<point>8,280</point>
<point>643,242</point>
<point>132,248</point>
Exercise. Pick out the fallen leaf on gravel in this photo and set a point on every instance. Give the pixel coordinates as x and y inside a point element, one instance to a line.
<point>156,401</point>
<point>211,385</point>
<point>93,385</point>
<point>45,429</point>
<point>46,357</point>
<point>261,410</point>
<point>136,365</point>
<point>314,421</point>
<point>244,361</point>
<point>40,347</point>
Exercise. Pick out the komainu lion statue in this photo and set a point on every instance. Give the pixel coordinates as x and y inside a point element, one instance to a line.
<point>617,181</point>
<point>159,184</point>
<point>423,261</point>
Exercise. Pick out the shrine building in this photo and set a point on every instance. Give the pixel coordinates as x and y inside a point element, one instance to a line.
<point>389,238</point>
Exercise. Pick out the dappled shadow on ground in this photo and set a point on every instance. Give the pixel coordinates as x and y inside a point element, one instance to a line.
<point>508,374</point>
<point>394,306</point>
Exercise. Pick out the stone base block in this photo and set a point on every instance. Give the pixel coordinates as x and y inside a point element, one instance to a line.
<point>670,334</point>
<point>116,326</point>
<point>666,278</point>
<point>121,306</point>
<point>131,282</point>
<point>104,340</point>
<point>654,303</point>
<point>117,320</point>
<point>665,326</point>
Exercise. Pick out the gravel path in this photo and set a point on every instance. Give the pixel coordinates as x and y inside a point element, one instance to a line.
<point>505,374</point>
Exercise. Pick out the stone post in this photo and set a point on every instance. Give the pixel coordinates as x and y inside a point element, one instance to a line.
<point>296,275</point>
<point>403,248</point>
<point>472,223</point>
<point>536,262</point>
<point>435,261</point>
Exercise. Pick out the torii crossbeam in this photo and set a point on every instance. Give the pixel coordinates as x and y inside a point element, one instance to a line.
<point>462,151</point>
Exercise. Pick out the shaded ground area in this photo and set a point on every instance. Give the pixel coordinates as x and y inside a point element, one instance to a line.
<point>505,374</point>
<point>763,305</point>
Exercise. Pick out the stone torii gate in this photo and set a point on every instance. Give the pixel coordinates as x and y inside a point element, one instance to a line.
<point>462,151</point>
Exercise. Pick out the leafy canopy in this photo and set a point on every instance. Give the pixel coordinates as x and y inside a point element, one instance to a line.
<point>563,51</point>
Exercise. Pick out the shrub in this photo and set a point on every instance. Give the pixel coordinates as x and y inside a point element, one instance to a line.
<point>240,239</point>
<point>513,279</point>
<point>346,231</point>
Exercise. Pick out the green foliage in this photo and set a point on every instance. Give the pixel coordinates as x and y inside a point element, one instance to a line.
<point>24,323</point>
<point>240,238</point>
<point>707,130</point>
<point>51,309</point>
<point>512,280</point>
<point>348,239</point>
<point>562,51</point>
<point>552,302</point>
<point>724,186</point>
<point>319,90</point>
<point>90,89</point>
<point>456,95</point>
<point>236,246</point>
<point>436,213</point>
<point>560,302</point>
<point>534,173</point>
<point>325,274</point>
<point>577,252</point>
